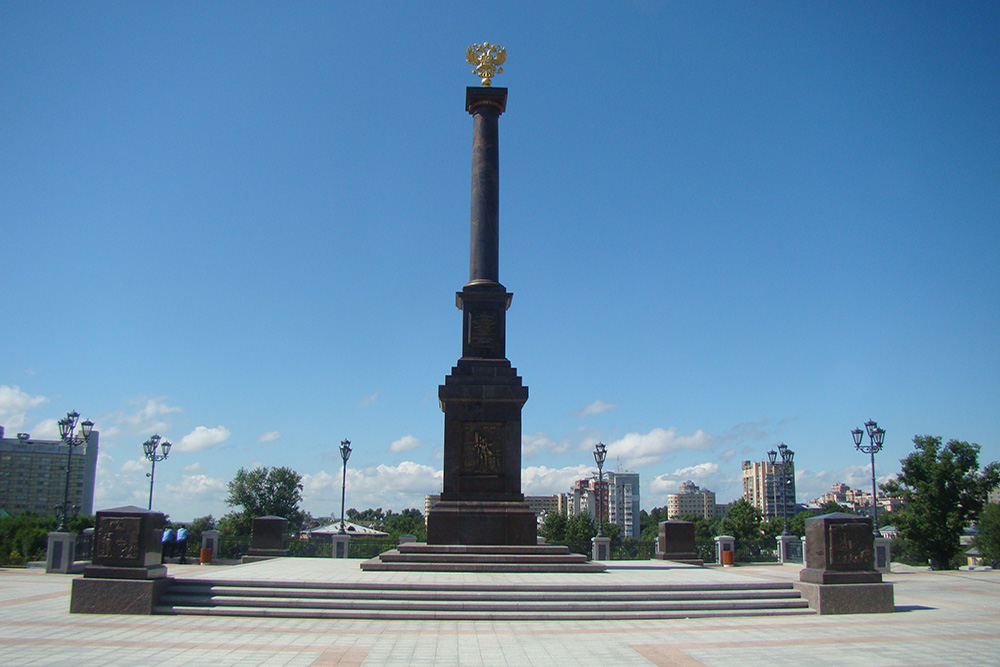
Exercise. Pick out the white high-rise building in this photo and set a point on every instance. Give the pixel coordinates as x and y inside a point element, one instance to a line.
<point>623,502</point>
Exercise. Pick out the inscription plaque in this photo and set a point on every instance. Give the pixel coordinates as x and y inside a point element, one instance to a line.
<point>483,329</point>
<point>482,448</point>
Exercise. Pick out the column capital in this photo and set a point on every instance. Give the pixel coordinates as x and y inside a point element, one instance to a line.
<point>476,96</point>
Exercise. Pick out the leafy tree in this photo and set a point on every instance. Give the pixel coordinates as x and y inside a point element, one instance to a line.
<point>580,528</point>
<point>988,539</point>
<point>832,506</point>
<point>742,521</point>
<point>553,528</point>
<point>943,490</point>
<point>263,492</point>
<point>649,523</point>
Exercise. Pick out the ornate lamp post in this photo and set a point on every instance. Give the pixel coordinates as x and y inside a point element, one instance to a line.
<point>772,457</point>
<point>600,455</point>
<point>345,453</point>
<point>787,456</point>
<point>149,449</point>
<point>67,428</point>
<point>876,437</point>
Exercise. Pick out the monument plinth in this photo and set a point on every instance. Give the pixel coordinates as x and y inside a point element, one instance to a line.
<point>481,500</point>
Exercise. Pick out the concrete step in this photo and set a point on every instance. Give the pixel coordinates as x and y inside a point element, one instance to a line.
<point>476,601</point>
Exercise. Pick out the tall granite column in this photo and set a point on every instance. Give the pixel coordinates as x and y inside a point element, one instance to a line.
<point>481,502</point>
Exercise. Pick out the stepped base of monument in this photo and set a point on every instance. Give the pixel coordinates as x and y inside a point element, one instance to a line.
<point>421,557</point>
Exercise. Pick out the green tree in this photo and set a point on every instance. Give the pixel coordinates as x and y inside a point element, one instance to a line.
<point>580,528</point>
<point>943,490</point>
<point>263,492</point>
<point>832,507</point>
<point>742,521</point>
<point>988,539</point>
<point>553,529</point>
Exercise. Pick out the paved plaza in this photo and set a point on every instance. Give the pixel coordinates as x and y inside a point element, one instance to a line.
<point>942,618</point>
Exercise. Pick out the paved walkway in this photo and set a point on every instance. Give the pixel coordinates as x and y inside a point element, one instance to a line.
<point>942,618</point>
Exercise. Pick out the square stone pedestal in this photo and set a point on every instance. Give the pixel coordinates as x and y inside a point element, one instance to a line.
<point>125,576</point>
<point>840,575</point>
<point>269,539</point>
<point>60,551</point>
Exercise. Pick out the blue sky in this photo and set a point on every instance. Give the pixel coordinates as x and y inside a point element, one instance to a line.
<point>725,225</point>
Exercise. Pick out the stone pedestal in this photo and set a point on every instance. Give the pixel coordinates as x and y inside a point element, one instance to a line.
<point>883,554</point>
<point>601,548</point>
<point>60,552</point>
<point>339,545</point>
<point>210,539</point>
<point>840,575</point>
<point>268,539</point>
<point>725,550</point>
<point>789,549</point>
<point>125,575</point>
<point>676,542</point>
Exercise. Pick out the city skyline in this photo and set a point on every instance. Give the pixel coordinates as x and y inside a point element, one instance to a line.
<point>242,227</point>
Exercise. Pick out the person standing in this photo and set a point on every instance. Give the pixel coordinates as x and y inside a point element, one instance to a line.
<point>167,544</point>
<point>182,543</point>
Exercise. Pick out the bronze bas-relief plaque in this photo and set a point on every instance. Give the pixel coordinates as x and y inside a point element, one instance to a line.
<point>118,537</point>
<point>851,546</point>
<point>482,448</point>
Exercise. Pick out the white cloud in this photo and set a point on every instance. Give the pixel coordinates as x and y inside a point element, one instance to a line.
<point>637,450</point>
<point>202,438</point>
<point>391,487</point>
<point>405,444</point>
<point>270,436</point>
<point>596,408</point>
<point>135,465</point>
<point>702,474</point>
<point>539,443</point>
<point>15,405</point>
<point>193,467</point>
<point>545,481</point>
<point>368,400</point>
<point>198,486</point>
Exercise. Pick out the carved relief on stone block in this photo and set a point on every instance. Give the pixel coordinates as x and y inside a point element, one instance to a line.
<point>482,448</point>
<point>851,546</point>
<point>118,537</point>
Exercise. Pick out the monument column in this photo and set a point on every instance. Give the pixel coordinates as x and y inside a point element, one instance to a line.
<point>481,500</point>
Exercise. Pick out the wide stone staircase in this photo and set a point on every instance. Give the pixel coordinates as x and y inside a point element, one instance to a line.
<point>466,601</point>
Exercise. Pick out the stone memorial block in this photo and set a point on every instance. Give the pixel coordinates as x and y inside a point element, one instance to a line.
<point>840,575</point>
<point>125,575</point>
<point>840,549</point>
<point>676,542</point>
<point>127,544</point>
<point>269,539</point>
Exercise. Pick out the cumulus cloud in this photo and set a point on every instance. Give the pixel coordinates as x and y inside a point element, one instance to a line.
<point>539,443</point>
<point>270,436</point>
<point>637,450</point>
<point>202,438</point>
<point>545,481</point>
<point>193,467</point>
<point>405,444</point>
<point>702,474</point>
<point>368,400</point>
<point>810,485</point>
<point>135,465</point>
<point>596,408</point>
<point>396,487</point>
<point>15,405</point>
<point>198,486</point>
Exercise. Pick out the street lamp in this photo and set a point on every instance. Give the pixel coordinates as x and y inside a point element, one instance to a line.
<point>600,456</point>
<point>345,453</point>
<point>787,456</point>
<point>876,436</point>
<point>149,449</point>
<point>67,428</point>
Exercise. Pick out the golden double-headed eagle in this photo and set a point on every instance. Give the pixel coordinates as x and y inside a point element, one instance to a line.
<point>486,59</point>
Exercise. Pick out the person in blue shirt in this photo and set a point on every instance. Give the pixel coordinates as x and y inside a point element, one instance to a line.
<point>182,543</point>
<point>167,544</point>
